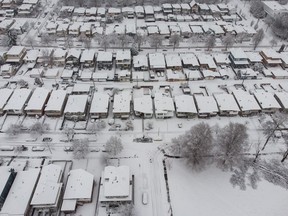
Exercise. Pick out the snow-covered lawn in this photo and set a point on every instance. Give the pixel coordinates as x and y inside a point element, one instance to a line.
<point>210,193</point>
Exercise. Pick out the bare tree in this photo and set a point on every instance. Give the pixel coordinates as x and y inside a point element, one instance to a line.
<point>87,42</point>
<point>14,129</point>
<point>210,42</point>
<point>80,148</point>
<point>129,125</point>
<point>104,42</point>
<point>30,40</point>
<point>175,40</point>
<point>69,133</point>
<point>195,145</point>
<point>241,37</point>
<point>231,144</point>
<point>270,126</point>
<point>257,9</point>
<point>228,40</point>
<point>273,42</point>
<point>139,40</point>
<point>37,129</point>
<point>68,42</point>
<point>155,41</point>
<point>114,146</point>
<point>127,209</point>
<point>46,39</point>
<point>124,40</point>
<point>258,37</point>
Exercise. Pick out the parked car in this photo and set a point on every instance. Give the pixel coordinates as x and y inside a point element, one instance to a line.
<point>6,148</point>
<point>144,198</point>
<point>47,139</point>
<point>68,148</point>
<point>38,148</point>
<point>94,150</point>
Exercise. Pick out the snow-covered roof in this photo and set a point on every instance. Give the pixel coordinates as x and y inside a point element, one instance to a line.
<point>185,104</point>
<point>226,102</point>
<point>279,72</point>
<point>246,101</point>
<point>38,99</point>
<point>122,102</point>
<point>87,55</point>
<point>76,104</point>
<point>122,55</point>
<point>206,104</point>
<point>270,53</point>
<point>284,57</point>
<point>79,185</point>
<point>116,181</point>
<point>189,59</point>
<point>196,29</point>
<point>81,88</point>
<point>104,56</point>
<point>67,73</point>
<point>30,1</point>
<point>51,73</point>
<point>221,58</point>
<point>254,57</point>
<point>19,196</point>
<point>173,60</point>
<point>31,55</point>
<point>140,61</point>
<point>148,9</point>
<point>15,50</point>
<point>205,59</point>
<point>18,99</point>
<point>48,188</point>
<point>266,100</point>
<point>56,100</point>
<point>59,53</point>
<point>100,103</point>
<point>157,60</point>
<point>143,104</point>
<point>74,53</point>
<point>139,9</point>
<point>5,95</point>
<point>283,98</point>
<point>163,103</point>
<point>238,53</point>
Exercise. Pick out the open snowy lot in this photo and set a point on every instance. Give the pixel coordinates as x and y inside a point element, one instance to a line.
<point>210,193</point>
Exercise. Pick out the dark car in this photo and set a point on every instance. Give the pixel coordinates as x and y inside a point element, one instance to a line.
<point>47,139</point>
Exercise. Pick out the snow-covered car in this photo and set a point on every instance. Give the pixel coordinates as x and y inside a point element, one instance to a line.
<point>94,150</point>
<point>68,148</point>
<point>6,148</point>
<point>277,134</point>
<point>38,148</point>
<point>144,198</point>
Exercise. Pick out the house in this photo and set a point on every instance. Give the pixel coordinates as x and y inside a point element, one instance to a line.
<point>15,55</point>
<point>284,58</point>
<point>189,60</point>
<point>62,29</point>
<point>88,58</point>
<point>51,73</point>
<point>51,28</point>
<point>191,74</point>
<point>215,11</point>
<point>238,58</point>
<point>100,76</point>
<point>206,106</point>
<point>113,12</point>
<point>204,9</point>
<point>206,62</point>
<point>279,73</point>
<point>67,74</point>
<point>194,7</point>
<point>80,11</point>
<point>173,61</point>
<point>17,101</point>
<point>226,104</point>
<point>282,98</point>
<point>37,102</point>
<point>91,11</point>
<point>31,58</point>
<point>270,57</point>
<point>173,75</point>
<point>174,29</point>
<point>140,62</point>
<point>163,106</point>
<point>254,58</point>
<point>80,88</point>
<point>143,106</point>
<point>104,60</point>
<point>66,11</point>
<point>18,27</point>
<point>5,95</point>
<point>25,9</point>
<point>44,57</point>
<point>85,75</point>
<point>128,12</point>
<point>56,103</point>
<point>273,8</point>
<point>48,189</point>
<point>267,101</point>
<point>247,73</point>
<point>18,200</point>
<point>152,30</point>
<point>7,177</point>
<point>139,11</point>
<point>73,56</point>
<point>196,30</point>
<point>123,59</point>
<point>185,8</point>
<point>176,8</point>
<point>185,106</point>
<point>86,29</point>
<point>74,29</point>
<point>101,12</point>
<point>76,107</point>
<point>167,8</point>
<point>116,186</point>
<point>99,105</point>
<point>224,8</point>
<point>149,13</point>
<point>246,102</point>
<point>8,4</point>
<point>185,30</point>
<point>36,73</point>
<point>7,70</point>
<point>122,103</point>
<point>157,62</point>
<point>78,190</point>
<point>59,57</point>
<point>221,59</point>
<point>6,24</point>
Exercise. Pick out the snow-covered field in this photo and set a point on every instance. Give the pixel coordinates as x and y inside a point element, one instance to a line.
<point>210,193</point>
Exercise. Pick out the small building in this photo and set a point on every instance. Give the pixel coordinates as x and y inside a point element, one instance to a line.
<point>80,88</point>
<point>100,76</point>
<point>189,60</point>
<point>51,28</point>
<point>7,70</point>
<point>246,102</point>
<point>37,102</point>
<point>123,59</point>
<point>149,13</point>
<point>185,8</point>
<point>247,73</point>
<point>62,29</point>
<point>254,58</point>
<point>143,106</point>
<point>221,59</point>
<point>56,103</point>
<point>104,60</point>
<point>270,57</point>
<point>51,73</point>
<point>238,58</point>
<point>267,101</point>
<point>116,186</point>
<point>59,57</point>
<point>167,8</point>
<point>18,200</point>
<point>206,106</point>
<point>122,103</point>
<point>226,104</point>
<point>17,101</point>
<point>76,107</point>
<point>140,63</point>
<point>163,106</point>
<point>74,29</point>
<point>31,58</point>
<point>185,106</point>
<point>157,62</point>
<point>279,73</point>
<point>78,190</point>
<point>99,105</point>
<point>6,23</point>
<point>73,56</point>
<point>5,95</point>
<point>139,11</point>
<point>273,8</point>
<point>48,189</point>
<point>282,98</point>
<point>206,62</point>
<point>173,61</point>
<point>16,54</point>
<point>88,58</point>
